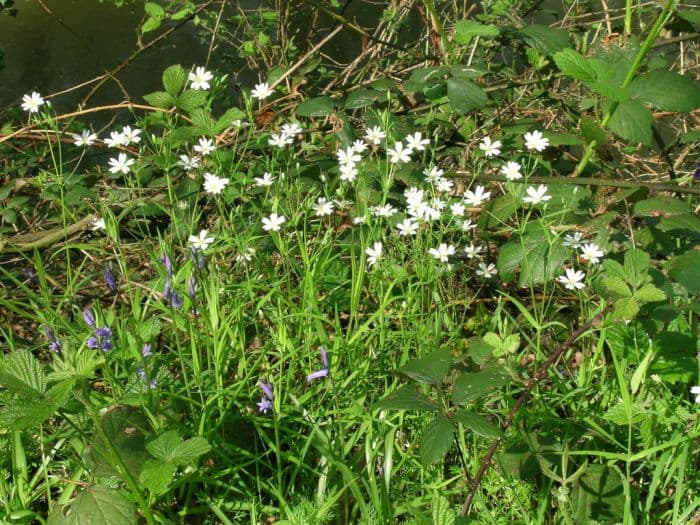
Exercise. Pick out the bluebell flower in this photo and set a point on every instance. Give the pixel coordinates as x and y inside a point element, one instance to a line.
<point>192,288</point>
<point>54,343</point>
<point>175,300</point>
<point>89,317</point>
<point>146,350</point>
<point>696,175</point>
<point>323,372</point>
<point>168,266</point>
<point>264,405</point>
<point>141,373</point>
<point>92,342</point>
<point>110,280</point>
<point>267,390</point>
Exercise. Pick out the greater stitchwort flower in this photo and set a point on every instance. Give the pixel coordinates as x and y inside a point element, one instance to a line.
<point>399,153</point>
<point>374,253</point>
<point>537,195</point>
<point>572,279</point>
<point>695,391</point>
<point>32,103</point>
<point>573,240</point>
<point>416,142</point>
<point>486,271</point>
<point>273,223</point>
<point>265,180</point>
<point>536,141</point>
<point>214,185</point>
<point>477,197</point>
<point>511,170</point>
<point>407,227</point>
<point>591,253</point>
<point>201,241</point>
<point>86,138</point>
<point>122,164</point>
<point>442,252</point>
<point>374,135</point>
<point>261,91</point>
<point>199,78</point>
<point>490,149</point>
<point>205,146</point>
<point>323,207</point>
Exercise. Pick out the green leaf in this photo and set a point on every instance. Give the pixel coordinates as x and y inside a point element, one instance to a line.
<point>498,211</point>
<point>228,118</point>
<point>649,294</point>
<point>174,79</point>
<point>625,309</point>
<point>631,121</point>
<point>405,398</point>
<point>316,107</point>
<point>154,10</point>
<point>614,269</point>
<point>691,15</point>
<point>591,131</point>
<point>660,207</point>
<point>685,270</point>
<point>361,98</point>
<point>598,496</point>
<point>21,373</point>
<point>637,264</point>
<point>191,99</point>
<point>161,446</point>
<point>431,368</point>
<point>202,119</point>
<point>160,99</point>
<point>575,65</point>
<point>465,96</point>
<point>21,414</point>
<point>471,386</point>
<point>157,475</point>
<point>442,511</point>
<point>151,24</point>
<point>189,450</point>
<point>545,39</point>
<point>436,440</point>
<point>616,287</point>
<point>467,29</point>
<point>667,91</point>
<point>96,505</point>
<point>477,423</point>
<point>675,359</point>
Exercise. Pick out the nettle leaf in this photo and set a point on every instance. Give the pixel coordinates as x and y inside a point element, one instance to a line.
<point>157,475</point>
<point>465,96</point>
<point>632,121</point>
<point>471,386</point>
<point>502,345</point>
<point>191,99</point>
<point>442,511</point>
<point>636,265</point>
<point>162,444</point>
<point>616,286</point>
<point>228,118</point>
<point>592,131</point>
<point>649,294</point>
<point>189,450</point>
<point>431,368</point>
<point>316,107</point>
<point>174,79</point>
<point>667,91</point>
<point>545,39</point>
<point>466,30</point>
<point>22,373</point>
<point>436,440</point>
<point>685,270</point>
<point>160,99</point>
<point>96,505</point>
<point>575,65</point>
<point>477,423</point>
<point>21,414</point>
<point>405,398</point>
<point>625,309</point>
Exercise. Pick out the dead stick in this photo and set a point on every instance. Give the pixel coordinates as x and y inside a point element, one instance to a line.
<point>540,375</point>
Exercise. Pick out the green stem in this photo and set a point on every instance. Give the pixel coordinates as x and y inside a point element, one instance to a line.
<point>117,462</point>
<point>19,467</point>
<point>638,59</point>
<point>430,5</point>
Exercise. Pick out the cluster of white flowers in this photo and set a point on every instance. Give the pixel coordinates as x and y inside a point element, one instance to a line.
<point>286,135</point>
<point>590,252</point>
<point>126,137</point>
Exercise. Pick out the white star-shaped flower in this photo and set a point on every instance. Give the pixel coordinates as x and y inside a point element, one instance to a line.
<point>486,271</point>
<point>399,153</point>
<point>444,185</point>
<point>442,252</point>
<point>201,241</point>
<point>213,184</point>
<point>407,227</point>
<point>86,138</point>
<point>433,174</point>
<point>32,103</point>
<point>360,146</point>
<point>511,170</point>
<point>265,180</point>
<point>457,209</point>
<point>280,140</point>
<point>291,129</point>
<point>273,223</point>
<point>121,164</point>
<point>374,135</point>
<point>98,223</point>
<point>115,140</point>
<point>348,172</point>
<point>323,207</point>
<point>573,240</point>
<point>490,149</point>
<point>374,253</point>
<point>591,253</point>
<point>537,195</point>
<point>199,78</point>
<point>416,142</point>
<point>473,250</point>
<point>536,141</point>
<point>347,156</point>
<point>261,91</point>
<point>131,136</point>
<point>477,197</point>
<point>572,279</point>
<point>386,210</point>
<point>188,163</point>
<point>205,146</point>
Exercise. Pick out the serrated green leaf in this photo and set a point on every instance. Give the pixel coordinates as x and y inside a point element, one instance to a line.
<point>154,10</point>
<point>431,368</point>
<point>189,450</point>
<point>361,98</point>
<point>636,267</point>
<point>685,270</point>
<point>548,40</point>
<point>649,294</point>
<point>22,373</point>
<point>660,206</point>
<point>202,119</point>
<point>228,118</point>
<point>471,386</point>
<point>477,423</point>
<point>160,99</point>
<point>161,446</point>
<point>632,121</point>
<point>466,30</point>
<point>614,269</point>
<point>174,79</point>
<point>436,440</point>
<point>405,398</point>
<point>96,505</point>
<point>442,511</point>
<point>157,475</point>
<point>666,90</point>
<point>465,96</point>
<point>575,65</point>
<point>191,99</point>
<point>616,286</point>
<point>21,414</point>
<point>625,309</point>
<point>316,107</point>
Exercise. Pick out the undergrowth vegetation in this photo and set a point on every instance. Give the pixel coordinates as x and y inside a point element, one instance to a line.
<point>453,281</point>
